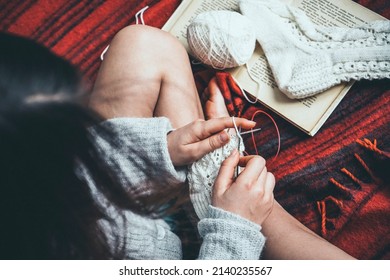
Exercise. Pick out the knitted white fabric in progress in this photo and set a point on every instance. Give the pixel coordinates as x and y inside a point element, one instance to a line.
<point>202,174</point>
<point>307,59</point>
<point>221,39</point>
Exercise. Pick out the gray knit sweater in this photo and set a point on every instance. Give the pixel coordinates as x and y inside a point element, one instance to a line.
<point>225,235</point>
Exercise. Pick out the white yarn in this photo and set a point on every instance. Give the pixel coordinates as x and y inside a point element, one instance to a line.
<point>140,14</point>
<point>221,39</point>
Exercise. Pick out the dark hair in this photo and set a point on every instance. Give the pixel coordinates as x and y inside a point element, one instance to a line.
<point>46,209</point>
<point>27,68</point>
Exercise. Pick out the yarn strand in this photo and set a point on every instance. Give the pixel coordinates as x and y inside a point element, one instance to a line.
<point>243,92</point>
<point>276,128</point>
<point>140,13</point>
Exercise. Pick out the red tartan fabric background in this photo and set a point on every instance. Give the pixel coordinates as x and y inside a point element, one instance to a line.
<point>323,180</point>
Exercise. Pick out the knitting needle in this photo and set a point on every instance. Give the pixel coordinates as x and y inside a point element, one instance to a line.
<point>238,149</point>
<point>249,131</point>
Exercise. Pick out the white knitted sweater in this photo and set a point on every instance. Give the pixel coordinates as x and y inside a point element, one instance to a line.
<point>225,235</point>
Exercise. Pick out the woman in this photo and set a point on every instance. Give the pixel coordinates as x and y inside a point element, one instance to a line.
<point>140,78</point>
<point>76,184</point>
<point>97,183</point>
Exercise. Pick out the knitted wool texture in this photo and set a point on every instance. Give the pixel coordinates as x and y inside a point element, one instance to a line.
<point>307,59</point>
<point>225,235</point>
<point>202,174</point>
<point>221,39</point>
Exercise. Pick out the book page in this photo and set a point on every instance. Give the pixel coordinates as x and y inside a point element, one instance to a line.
<point>336,13</point>
<point>308,114</point>
<point>259,82</point>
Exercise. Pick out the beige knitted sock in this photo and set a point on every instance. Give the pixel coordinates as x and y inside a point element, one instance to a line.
<point>307,59</point>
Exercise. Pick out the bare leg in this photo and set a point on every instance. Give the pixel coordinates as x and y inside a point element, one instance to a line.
<point>146,73</point>
<point>287,238</point>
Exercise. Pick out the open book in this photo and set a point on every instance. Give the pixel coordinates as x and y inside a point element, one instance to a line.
<point>256,78</point>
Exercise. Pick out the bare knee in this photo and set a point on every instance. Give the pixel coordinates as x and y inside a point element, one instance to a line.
<point>149,41</point>
<point>141,63</point>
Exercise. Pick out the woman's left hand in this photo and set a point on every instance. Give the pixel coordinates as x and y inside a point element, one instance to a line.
<point>191,142</point>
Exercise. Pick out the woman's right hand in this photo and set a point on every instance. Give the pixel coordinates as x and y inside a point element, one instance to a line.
<point>250,195</point>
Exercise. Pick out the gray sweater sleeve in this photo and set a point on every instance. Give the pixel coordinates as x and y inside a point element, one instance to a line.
<point>142,146</point>
<point>228,236</point>
<point>141,151</point>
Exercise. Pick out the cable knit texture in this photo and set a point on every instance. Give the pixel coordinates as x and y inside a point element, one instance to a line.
<point>202,174</point>
<point>226,236</point>
<point>218,237</point>
<point>307,59</point>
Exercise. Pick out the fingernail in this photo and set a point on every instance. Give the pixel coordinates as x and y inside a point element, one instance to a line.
<point>253,122</point>
<point>224,137</point>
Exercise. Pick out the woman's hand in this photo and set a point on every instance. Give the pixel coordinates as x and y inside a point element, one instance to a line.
<point>191,142</point>
<point>250,195</point>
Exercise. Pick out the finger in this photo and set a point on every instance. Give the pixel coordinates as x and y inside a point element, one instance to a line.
<point>243,123</point>
<point>253,165</point>
<point>226,172</point>
<point>269,183</point>
<point>210,127</point>
<point>268,186</point>
<point>252,171</point>
<point>212,143</point>
<point>263,175</point>
<point>244,160</point>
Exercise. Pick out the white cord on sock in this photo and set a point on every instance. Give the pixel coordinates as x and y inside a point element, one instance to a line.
<point>104,52</point>
<point>140,14</point>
